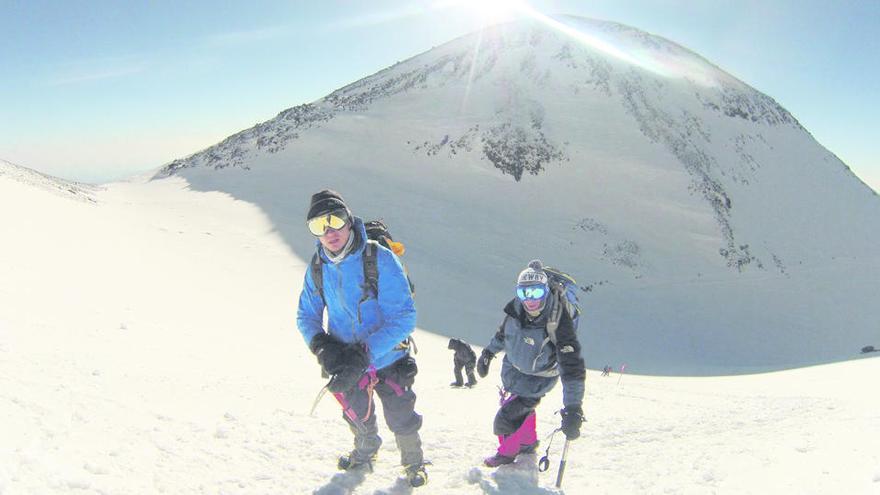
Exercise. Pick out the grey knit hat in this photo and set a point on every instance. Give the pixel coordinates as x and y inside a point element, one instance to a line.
<point>533,274</point>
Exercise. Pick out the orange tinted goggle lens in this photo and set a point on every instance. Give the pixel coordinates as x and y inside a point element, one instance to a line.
<point>319,225</point>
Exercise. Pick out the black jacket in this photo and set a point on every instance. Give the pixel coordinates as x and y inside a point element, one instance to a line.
<point>463,351</point>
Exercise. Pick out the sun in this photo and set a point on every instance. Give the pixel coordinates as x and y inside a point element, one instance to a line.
<point>488,11</point>
<point>493,10</point>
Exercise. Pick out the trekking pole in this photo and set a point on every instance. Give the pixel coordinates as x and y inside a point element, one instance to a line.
<point>562,464</point>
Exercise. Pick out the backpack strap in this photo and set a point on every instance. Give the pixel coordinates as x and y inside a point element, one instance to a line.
<point>555,316</point>
<point>371,271</point>
<point>317,274</point>
<point>371,287</point>
<point>371,268</point>
<point>560,304</point>
<point>371,275</point>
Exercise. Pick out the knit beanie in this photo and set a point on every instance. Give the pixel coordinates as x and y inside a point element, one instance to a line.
<point>533,274</point>
<point>324,202</point>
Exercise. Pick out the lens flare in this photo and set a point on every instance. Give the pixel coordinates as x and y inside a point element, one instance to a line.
<point>672,61</point>
<point>489,11</point>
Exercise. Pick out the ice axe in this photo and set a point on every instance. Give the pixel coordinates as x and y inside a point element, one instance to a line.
<point>346,407</point>
<point>318,399</point>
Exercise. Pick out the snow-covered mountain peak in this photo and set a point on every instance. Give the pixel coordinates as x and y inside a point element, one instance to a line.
<point>622,157</point>
<point>505,73</point>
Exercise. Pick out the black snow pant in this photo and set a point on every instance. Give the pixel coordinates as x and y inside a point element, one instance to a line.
<point>469,369</point>
<point>512,414</point>
<point>394,388</point>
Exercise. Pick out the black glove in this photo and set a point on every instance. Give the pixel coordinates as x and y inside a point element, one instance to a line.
<point>572,417</point>
<point>483,363</point>
<point>329,351</point>
<point>353,361</point>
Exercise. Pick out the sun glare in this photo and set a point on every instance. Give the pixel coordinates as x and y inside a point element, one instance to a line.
<point>493,10</point>
<point>673,66</point>
<point>487,11</point>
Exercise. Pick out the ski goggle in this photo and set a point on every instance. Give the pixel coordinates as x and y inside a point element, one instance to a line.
<point>533,292</point>
<point>334,220</point>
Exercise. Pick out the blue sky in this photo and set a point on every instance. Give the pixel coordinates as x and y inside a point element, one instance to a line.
<point>97,90</point>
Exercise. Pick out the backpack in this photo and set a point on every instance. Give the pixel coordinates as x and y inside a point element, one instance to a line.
<point>377,233</point>
<point>563,287</point>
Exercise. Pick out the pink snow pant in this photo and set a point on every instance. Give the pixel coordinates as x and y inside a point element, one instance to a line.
<point>515,425</point>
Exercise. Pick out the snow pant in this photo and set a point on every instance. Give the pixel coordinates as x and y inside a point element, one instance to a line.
<point>393,385</point>
<point>515,424</point>
<point>469,369</point>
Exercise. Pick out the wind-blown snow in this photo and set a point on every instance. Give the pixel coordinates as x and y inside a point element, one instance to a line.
<point>147,345</point>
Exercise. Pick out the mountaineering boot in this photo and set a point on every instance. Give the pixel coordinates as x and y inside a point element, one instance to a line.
<point>354,461</point>
<point>498,460</point>
<point>501,459</point>
<point>471,378</point>
<point>412,458</point>
<point>416,474</point>
<point>456,384</point>
<point>528,449</point>
<point>508,448</point>
<point>366,446</point>
<point>523,441</point>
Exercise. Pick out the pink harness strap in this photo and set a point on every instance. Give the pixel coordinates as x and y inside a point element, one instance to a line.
<point>348,410</point>
<point>368,382</point>
<point>398,390</point>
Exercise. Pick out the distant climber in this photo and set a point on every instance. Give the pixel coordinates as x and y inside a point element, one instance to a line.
<point>464,358</point>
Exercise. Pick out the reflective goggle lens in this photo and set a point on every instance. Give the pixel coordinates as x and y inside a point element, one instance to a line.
<point>531,292</point>
<point>318,226</point>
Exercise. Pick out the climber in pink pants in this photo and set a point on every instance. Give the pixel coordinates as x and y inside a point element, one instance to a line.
<point>540,347</point>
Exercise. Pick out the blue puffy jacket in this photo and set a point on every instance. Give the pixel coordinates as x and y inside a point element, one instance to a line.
<point>381,324</point>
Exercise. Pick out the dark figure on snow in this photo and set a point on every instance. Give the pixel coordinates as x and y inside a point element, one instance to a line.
<point>606,371</point>
<point>464,358</point>
<point>365,345</point>
<point>533,362</point>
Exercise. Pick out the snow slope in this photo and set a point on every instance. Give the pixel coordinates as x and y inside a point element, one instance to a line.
<point>28,177</point>
<point>710,232</point>
<point>147,345</point>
